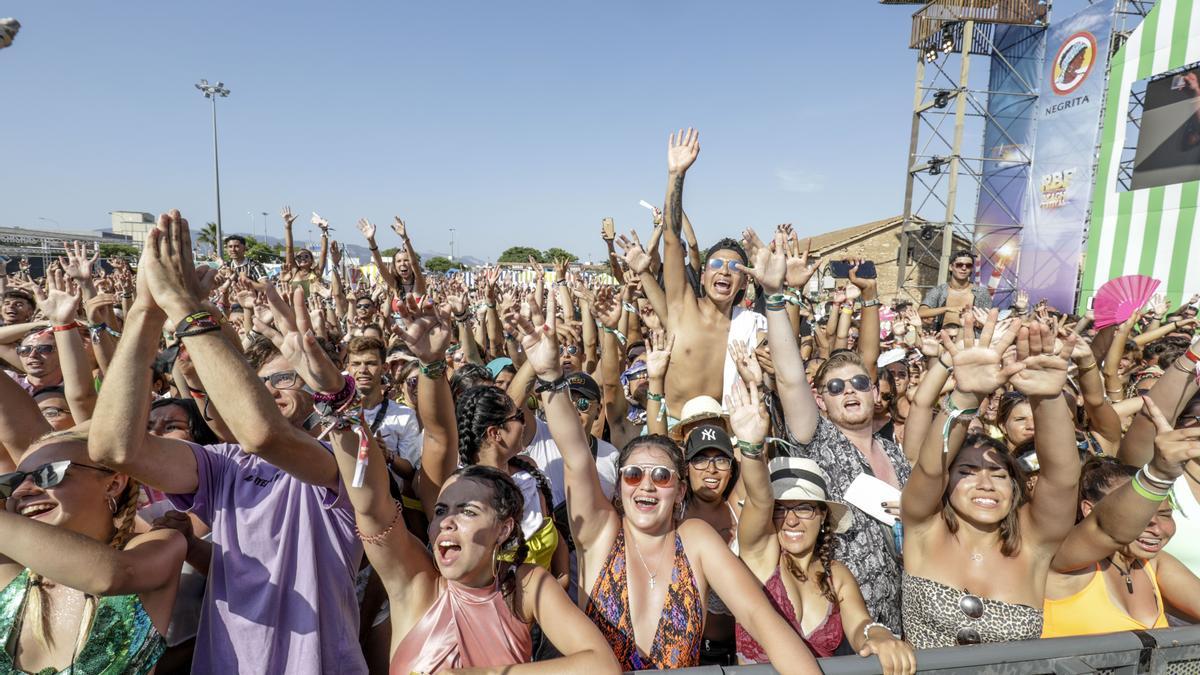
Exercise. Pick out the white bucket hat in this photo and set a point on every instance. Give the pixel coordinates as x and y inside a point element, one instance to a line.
<point>799,478</point>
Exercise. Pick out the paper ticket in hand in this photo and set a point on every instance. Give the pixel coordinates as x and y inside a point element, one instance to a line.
<point>646,205</point>
<point>867,493</point>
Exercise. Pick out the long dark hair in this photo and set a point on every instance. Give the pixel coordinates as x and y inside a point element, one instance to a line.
<point>659,442</point>
<point>1010,527</point>
<point>824,548</point>
<point>478,409</point>
<point>509,504</point>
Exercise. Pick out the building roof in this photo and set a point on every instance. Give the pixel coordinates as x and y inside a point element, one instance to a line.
<point>851,235</point>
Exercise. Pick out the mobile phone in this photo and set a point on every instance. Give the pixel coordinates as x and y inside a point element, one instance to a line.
<point>610,228</point>
<point>841,269</point>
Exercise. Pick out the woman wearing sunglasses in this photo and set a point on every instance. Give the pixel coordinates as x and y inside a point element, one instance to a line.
<point>1110,574</point>
<point>785,537</point>
<point>646,575</point>
<point>78,591</point>
<point>976,550</point>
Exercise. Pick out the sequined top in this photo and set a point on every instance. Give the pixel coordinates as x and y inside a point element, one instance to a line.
<point>122,639</point>
<point>680,630</point>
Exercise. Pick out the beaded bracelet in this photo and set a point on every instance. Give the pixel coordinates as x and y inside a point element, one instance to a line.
<point>375,539</point>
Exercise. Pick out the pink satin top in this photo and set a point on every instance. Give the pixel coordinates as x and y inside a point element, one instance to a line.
<point>465,628</point>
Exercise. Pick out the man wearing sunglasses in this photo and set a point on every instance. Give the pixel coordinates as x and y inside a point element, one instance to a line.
<point>39,360</point>
<point>704,323</point>
<point>944,302</point>
<point>281,595</point>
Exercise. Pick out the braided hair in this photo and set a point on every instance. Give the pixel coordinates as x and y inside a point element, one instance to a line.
<point>476,410</point>
<point>38,602</point>
<point>824,547</point>
<point>509,504</point>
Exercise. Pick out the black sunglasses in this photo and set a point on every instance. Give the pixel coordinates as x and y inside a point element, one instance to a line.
<point>837,385</point>
<point>45,476</point>
<point>972,606</point>
<point>41,350</point>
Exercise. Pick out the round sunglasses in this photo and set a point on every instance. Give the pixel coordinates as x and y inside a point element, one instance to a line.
<point>660,476</point>
<point>972,606</point>
<point>715,264</point>
<point>837,385</point>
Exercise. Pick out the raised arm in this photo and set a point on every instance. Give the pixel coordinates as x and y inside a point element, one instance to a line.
<point>682,151</point>
<point>1172,391</point>
<point>427,333</point>
<point>322,225</point>
<point>757,544</point>
<point>591,514</point>
<point>1052,507</point>
<point>406,248</point>
<point>289,250</point>
<point>1119,518</point>
<point>62,308</point>
<point>21,422</point>
<point>1102,418</point>
<point>868,329</point>
<point>1113,377</point>
<point>771,269</point>
<point>689,235</point>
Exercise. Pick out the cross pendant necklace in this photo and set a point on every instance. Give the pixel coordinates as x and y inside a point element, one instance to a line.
<point>646,567</point>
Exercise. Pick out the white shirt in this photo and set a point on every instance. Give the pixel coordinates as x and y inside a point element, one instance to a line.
<point>744,327</point>
<point>398,429</point>
<point>544,452</point>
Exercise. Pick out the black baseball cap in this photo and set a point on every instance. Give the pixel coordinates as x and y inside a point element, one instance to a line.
<point>583,385</point>
<point>706,436</point>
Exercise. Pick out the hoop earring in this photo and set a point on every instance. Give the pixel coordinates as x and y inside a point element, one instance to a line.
<point>112,504</point>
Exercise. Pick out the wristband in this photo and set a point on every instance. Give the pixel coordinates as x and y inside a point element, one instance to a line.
<point>613,331</point>
<point>848,311</point>
<point>629,307</point>
<point>954,415</point>
<point>1155,480</point>
<point>1146,491</point>
<point>655,397</point>
<point>433,371</point>
<point>751,450</point>
<point>64,328</point>
<point>874,624</point>
<point>335,400</point>
<point>775,302</point>
<point>197,323</point>
<point>865,304</point>
<point>1192,356</point>
<point>543,386</point>
<point>662,407</point>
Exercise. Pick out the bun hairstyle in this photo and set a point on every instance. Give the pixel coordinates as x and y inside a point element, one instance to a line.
<point>1099,476</point>
<point>37,602</point>
<point>1010,527</point>
<point>476,410</point>
<point>509,504</point>
<point>657,442</point>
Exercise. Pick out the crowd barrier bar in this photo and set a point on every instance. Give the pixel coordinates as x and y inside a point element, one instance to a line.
<point>1168,650</point>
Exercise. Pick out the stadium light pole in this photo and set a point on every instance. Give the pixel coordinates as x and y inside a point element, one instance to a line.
<point>213,92</point>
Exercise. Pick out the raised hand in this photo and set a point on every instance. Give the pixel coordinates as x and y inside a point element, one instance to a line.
<point>77,264</point>
<point>751,241</point>
<point>867,286</point>
<point>635,256</point>
<point>367,228</point>
<point>1173,448</point>
<point>682,150</point>
<point>291,332</point>
<point>747,365</point>
<point>658,354</point>
<point>800,266</point>
<point>399,228</point>
<point>770,265</point>
<point>320,223</point>
<point>852,292</point>
<point>1044,372</point>
<point>59,305</point>
<point>748,418</point>
<point>1158,304</point>
<point>426,329</point>
<point>288,217</point>
<point>539,340</point>
<point>978,365</point>
<point>335,253</point>
<point>167,267</point>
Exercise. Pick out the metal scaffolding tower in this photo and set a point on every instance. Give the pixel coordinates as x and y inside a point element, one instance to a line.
<point>946,35</point>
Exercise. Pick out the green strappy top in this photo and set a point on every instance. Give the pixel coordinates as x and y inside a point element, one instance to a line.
<point>122,639</point>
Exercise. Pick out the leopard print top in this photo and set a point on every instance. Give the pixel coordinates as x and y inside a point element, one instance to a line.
<point>932,617</point>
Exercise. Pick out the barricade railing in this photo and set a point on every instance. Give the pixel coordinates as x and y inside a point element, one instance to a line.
<point>1174,651</point>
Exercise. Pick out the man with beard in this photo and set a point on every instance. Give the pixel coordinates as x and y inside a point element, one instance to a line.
<point>703,326</point>
<point>831,422</point>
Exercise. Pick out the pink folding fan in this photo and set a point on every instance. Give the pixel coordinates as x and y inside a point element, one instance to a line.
<point>1119,298</point>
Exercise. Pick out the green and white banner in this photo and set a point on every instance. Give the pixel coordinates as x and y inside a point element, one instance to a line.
<point>1153,231</point>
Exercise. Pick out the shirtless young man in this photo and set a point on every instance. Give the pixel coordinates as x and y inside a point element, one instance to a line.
<point>700,326</point>
<point>944,302</point>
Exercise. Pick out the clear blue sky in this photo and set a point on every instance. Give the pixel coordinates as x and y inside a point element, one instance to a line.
<point>521,122</point>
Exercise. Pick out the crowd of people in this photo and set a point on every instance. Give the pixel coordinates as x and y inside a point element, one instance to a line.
<point>709,460</point>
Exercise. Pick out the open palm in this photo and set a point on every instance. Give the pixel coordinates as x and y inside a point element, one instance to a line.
<point>1045,371</point>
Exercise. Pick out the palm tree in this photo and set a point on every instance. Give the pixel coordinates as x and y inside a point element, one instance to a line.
<point>208,235</point>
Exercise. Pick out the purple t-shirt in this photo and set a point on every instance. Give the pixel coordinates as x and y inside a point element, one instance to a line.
<point>280,596</point>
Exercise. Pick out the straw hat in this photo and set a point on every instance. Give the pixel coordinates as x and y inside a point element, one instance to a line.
<point>799,478</point>
<point>695,410</point>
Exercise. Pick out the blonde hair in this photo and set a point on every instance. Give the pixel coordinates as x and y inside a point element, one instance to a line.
<point>37,605</point>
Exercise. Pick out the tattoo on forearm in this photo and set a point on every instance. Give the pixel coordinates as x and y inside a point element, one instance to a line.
<point>675,206</point>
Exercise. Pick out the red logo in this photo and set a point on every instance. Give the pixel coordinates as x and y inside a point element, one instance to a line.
<point>1073,62</point>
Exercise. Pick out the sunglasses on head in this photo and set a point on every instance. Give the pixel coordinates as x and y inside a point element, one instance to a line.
<point>40,350</point>
<point>285,379</point>
<point>715,264</point>
<point>837,385</point>
<point>45,476</point>
<point>660,476</point>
